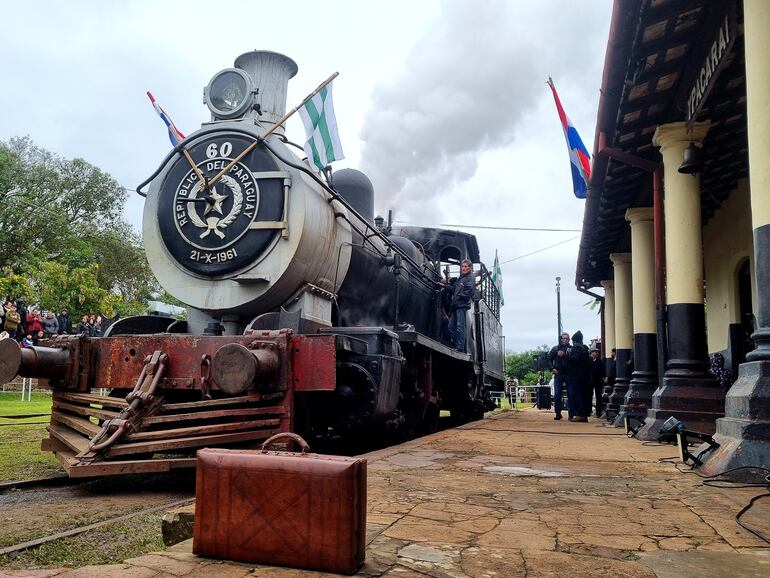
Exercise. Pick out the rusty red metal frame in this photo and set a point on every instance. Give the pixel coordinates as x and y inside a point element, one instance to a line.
<point>165,400</point>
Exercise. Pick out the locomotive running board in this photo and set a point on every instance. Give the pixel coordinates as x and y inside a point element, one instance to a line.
<point>175,428</point>
<point>420,339</point>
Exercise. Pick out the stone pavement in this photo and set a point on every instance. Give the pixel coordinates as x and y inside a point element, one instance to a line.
<point>519,494</point>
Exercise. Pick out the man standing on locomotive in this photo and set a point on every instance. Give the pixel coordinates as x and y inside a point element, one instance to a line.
<point>462,295</point>
<point>558,359</point>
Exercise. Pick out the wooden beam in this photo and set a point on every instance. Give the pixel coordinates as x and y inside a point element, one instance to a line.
<point>200,430</point>
<point>69,438</point>
<point>82,425</point>
<point>210,403</point>
<point>190,442</point>
<point>173,418</point>
<point>128,467</point>
<point>83,410</point>
<point>90,398</point>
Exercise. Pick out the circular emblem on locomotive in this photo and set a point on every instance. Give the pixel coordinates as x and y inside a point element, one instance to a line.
<point>217,215</point>
<point>217,218</point>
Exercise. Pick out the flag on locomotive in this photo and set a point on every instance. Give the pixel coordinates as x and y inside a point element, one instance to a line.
<point>173,133</point>
<point>497,278</point>
<point>323,141</point>
<point>578,154</point>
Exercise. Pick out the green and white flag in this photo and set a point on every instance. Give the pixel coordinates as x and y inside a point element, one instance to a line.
<point>323,141</point>
<point>497,279</point>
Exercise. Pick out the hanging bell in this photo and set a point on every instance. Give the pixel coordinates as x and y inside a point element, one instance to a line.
<point>693,160</point>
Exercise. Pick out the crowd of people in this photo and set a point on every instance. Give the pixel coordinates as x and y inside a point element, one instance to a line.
<point>28,325</point>
<point>581,371</point>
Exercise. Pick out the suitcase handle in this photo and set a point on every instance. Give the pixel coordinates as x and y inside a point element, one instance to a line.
<point>292,436</point>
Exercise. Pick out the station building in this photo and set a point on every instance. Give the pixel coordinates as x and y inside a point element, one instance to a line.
<point>676,227</point>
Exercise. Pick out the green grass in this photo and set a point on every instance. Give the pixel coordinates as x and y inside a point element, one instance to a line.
<point>11,404</point>
<point>109,544</point>
<point>506,405</point>
<point>20,454</point>
<point>21,458</point>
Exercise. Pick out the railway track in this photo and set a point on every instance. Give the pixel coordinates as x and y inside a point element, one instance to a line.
<point>58,510</point>
<point>39,483</point>
<point>81,529</point>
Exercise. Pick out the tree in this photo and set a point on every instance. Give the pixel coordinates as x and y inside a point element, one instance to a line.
<point>57,286</point>
<point>14,285</point>
<point>62,231</point>
<point>519,365</point>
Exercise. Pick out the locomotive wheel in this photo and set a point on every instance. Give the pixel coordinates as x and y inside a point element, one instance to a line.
<point>356,392</point>
<point>477,410</point>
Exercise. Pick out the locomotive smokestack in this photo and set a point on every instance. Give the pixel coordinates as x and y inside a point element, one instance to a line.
<point>271,72</point>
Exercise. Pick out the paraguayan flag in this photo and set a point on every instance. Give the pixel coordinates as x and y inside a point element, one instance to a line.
<point>323,142</point>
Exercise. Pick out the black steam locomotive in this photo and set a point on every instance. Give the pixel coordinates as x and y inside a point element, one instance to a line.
<point>304,312</point>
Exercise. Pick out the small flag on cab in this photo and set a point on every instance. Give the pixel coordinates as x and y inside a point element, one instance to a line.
<point>578,154</point>
<point>323,140</point>
<point>497,278</point>
<point>173,133</point>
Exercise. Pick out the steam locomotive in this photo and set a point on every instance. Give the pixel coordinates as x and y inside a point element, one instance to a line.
<point>304,312</point>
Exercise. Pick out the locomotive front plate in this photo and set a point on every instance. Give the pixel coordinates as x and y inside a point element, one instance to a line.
<point>213,229</point>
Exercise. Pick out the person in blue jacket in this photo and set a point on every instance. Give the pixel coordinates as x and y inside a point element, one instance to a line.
<point>462,296</point>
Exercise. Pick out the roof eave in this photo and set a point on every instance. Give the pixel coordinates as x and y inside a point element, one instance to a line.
<point>623,26</point>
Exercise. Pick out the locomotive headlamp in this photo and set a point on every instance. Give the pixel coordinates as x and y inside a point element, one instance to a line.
<point>229,94</point>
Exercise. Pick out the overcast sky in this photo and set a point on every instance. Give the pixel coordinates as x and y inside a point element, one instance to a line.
<point>443,104</point>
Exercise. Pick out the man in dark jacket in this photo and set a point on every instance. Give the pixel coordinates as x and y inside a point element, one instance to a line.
<point>597,373</point>
<point>557,357</point>
<point>83,327</point>
<point>65,323</point>
<point>462,296</point>
<point>577,377</point>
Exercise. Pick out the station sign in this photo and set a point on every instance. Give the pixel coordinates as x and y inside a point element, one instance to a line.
<point>712,65</point>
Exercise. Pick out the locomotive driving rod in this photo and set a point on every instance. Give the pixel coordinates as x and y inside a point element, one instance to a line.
<point>31,361</point>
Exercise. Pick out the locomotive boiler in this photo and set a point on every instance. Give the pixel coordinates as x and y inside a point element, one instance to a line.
<point>304,312</point>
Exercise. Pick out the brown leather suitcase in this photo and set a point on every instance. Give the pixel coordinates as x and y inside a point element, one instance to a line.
<point>293,509</point>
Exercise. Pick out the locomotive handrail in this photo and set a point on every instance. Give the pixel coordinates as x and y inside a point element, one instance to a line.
<point>176,150</point>
<point>337,197</point>
<point>182,146</point>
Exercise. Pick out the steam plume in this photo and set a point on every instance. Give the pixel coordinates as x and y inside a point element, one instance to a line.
<point>464,88</point>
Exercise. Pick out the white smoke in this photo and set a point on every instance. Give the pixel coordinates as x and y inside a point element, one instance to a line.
<point>463,90</point>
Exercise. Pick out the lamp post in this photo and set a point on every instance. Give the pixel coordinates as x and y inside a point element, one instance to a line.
<point>558,308</point>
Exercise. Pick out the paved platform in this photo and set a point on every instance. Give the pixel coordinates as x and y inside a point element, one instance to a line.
<point>519,494</point>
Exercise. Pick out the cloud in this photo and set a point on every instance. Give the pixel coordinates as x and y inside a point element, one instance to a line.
<point>465,87</point>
